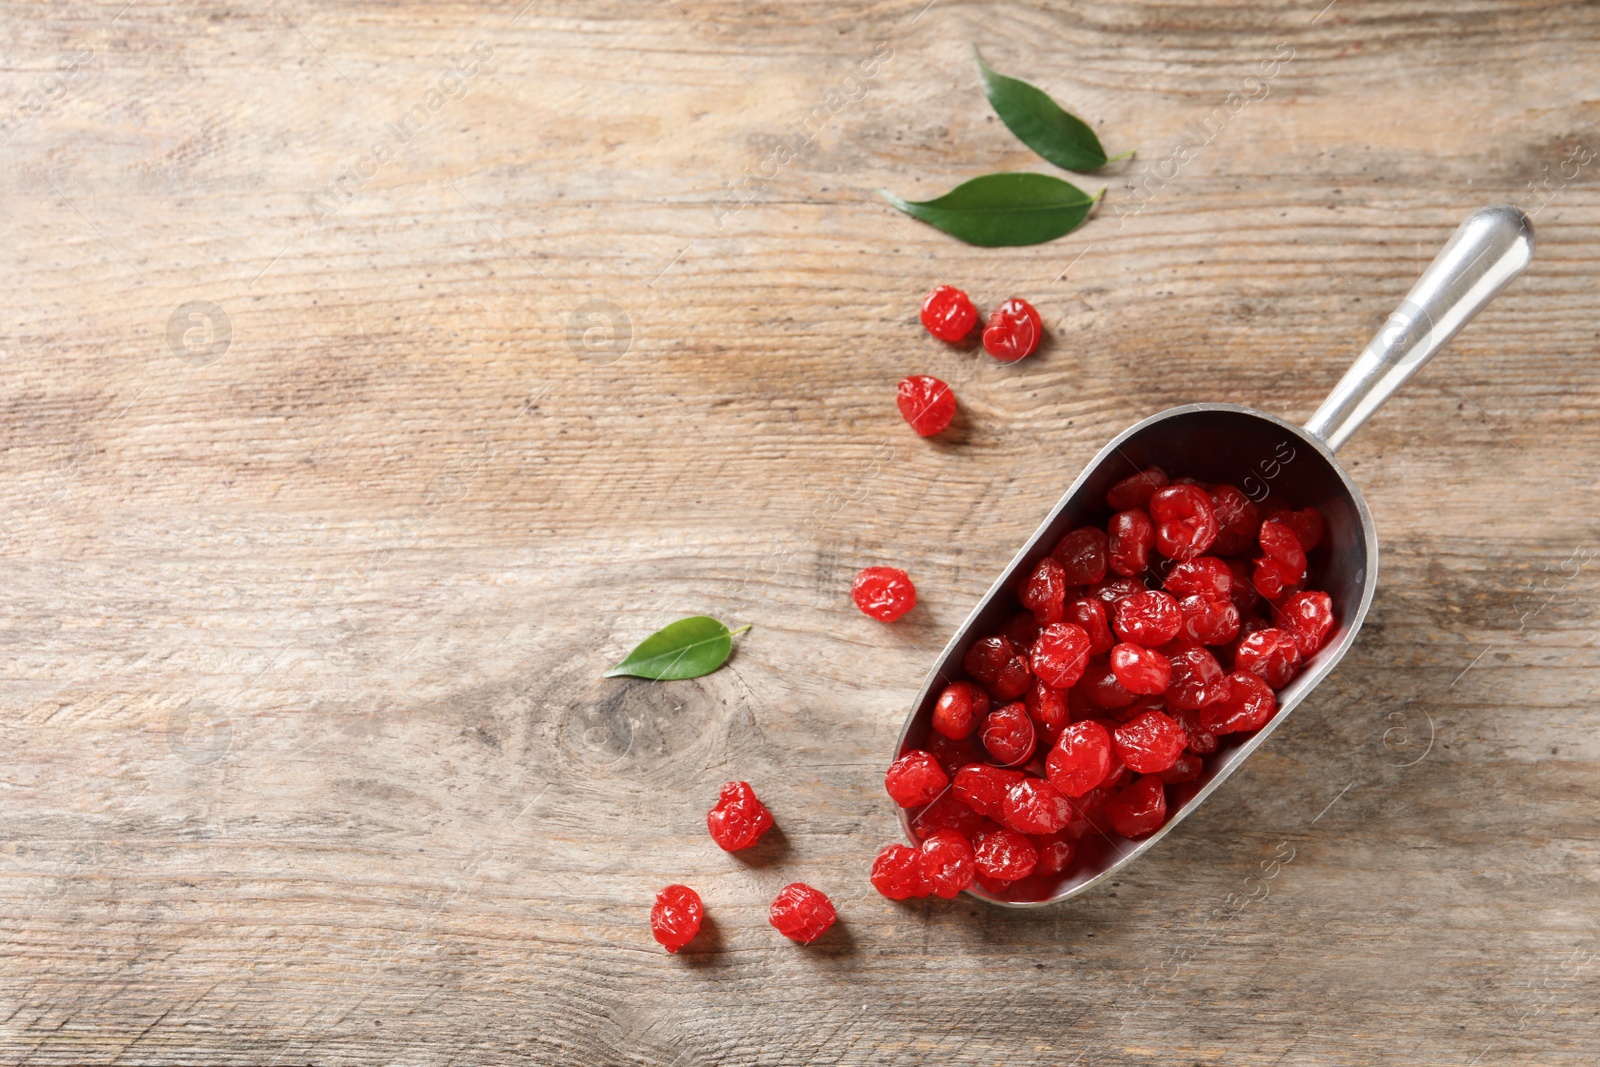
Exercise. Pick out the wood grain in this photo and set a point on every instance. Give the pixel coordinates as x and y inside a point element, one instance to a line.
<point>310,759</point>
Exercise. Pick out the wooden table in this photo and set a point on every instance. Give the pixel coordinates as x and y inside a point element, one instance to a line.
<point>339,474</point>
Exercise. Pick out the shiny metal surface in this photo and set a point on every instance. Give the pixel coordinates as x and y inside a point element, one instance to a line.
<point>1262,454</point>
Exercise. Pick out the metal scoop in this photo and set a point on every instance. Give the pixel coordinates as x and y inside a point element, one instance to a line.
<point>1261,454</point>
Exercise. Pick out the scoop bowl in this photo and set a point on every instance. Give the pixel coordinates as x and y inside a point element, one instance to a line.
<point>1262,454</point>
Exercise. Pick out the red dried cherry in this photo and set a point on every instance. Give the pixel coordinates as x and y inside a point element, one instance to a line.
<point>1060,654</point>
<point>946,813</point>
<point>1308,617</point>
<point>1185,524</point>
<point>1034,806</point>
<point>1090,614</point>
<point>926,403</point>
<point>1055,854</point>
<point>1149,742</point>
<point>1186,768</point>
<point>1081,758</point>
<point>983,788</point>
<point>1004,855</point>
<point>1045,591</point>
<point>801,913</point>
<point>960,708</point>
<point>996,663</point>
<point>1013,332</point>
<point>1101,688</point>
<point>1022,629</point>
<point>1271,654</point>
<point>1249,706</point>
<point>738,819</point>
<point>1272,579</point>
<point>953,753</point>
<point>1200,740</point>
<point>1140,809</point>
<point>1008,734</point>
<point>1208,620</point>
<point>946,864</point>
<point>1149,617</point>
<point>1244,593</point>
<point>897,873</point>
<point>915,779</point>
<point>1136,490</point>
<point>885,593</point>
<point>1201,576</point>
<point>1082,555</point>
<point>1129,538</point>
<point>948,314</point>
<point>1238,519</point>
<point>1308,527</point>
<point>1279,543</point>
<point>676,917</point>
<point>1139,670</point>
<point>1197,678</point>
<point>1047,707</point>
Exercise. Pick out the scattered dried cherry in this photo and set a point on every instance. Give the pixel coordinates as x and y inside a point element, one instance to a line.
<point>885,593</point>
<point>801,913</point>
<point>1022,629</point>
<point>1139,670</point>
<point>676,917</point>
<point>738,819</point>
<point>946,864</point>
<point>897,872</point>
<point>1013,332</point>
<point>948,314</point>
<point>1060,654</point>
<point>926,403</point>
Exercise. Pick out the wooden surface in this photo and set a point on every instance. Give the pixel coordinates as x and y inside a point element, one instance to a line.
<point>308,756</point>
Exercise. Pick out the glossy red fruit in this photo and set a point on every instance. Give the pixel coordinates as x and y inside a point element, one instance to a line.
<point>1197,678</point>
<point>946,864</point>
<point>1309,619</point>
<point>1185,523</point>
<point>959,709</point>
<point>738,819</point>
<point>946,813</point>
<point>1308,527</point>
<point>1047,707</point>
<point>1186,768</point>
<point>1113,590</point>
<point>999,666</point>
<point>885,593</point>
<point>1045,591</point>
<point>1141,671</point>
<point>1082,555</point>
<point>948,314</point>
<point>1279,543</point>
<point>1200,741</point>
<point>915,779</point>
<point>1009,736</point>
<point>1090,615</point>
<point>1055,854</point>
<point>1060,654</point>
<point>897,873</point>
<point>1249,706</point>
<point>1136,490</point>
<point>1244,593</point>
<point>801,913</point>
<point>926,403</point>
<point>1238,519</point>
<point>953,753</point>
<point>1139,809</point>
<point>1272,579</point>
<point>1208,620</point>
<point>676,917</point>
<point>1034,806</point>
<point>1129,537</point>
<point>1150,742</point>
<point>1271,654</point>
<point>1101,688</point>
<point>1004,855</point>
<point>1080,759</point>
<point>983,787</point>
<point>1150,618</point>
<point>1013,332</point>
<point>1201,576</point>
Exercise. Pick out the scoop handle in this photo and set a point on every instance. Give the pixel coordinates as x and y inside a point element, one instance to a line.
<point>1484,255</point>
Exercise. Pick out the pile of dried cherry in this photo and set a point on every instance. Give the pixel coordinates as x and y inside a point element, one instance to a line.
<point>1141,643</point>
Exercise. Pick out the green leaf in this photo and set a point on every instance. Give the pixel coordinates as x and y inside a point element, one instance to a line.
<point>1003,210</point>
<point>687,648</point>
<point>1041,123</point>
